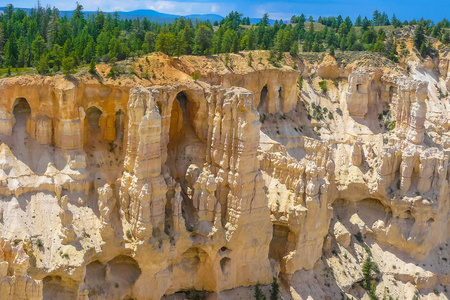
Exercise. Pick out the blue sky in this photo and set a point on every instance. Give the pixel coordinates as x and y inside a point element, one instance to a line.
<point>435,10</point>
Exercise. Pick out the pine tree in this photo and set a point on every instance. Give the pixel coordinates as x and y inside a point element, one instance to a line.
<point>203,40</point>
<point>367,268</point>
<point>258,293</point>
<point>294,49</point>
<point>395,22</point>
<point>446,37</point>
<point>228,41</point>
<point>274,293</point>
<point>150,38</point>
<point>37,48</point>
<point>315,47</point>
<point>92,68</point>
<point>102,47</point>
<point>419,36</point>
<point>2,40</point>
<point>89,52</point>
<point>358,21</point>
<point>332,50</point>
<point>42,66</point>
<point>68,65</point>
<point>244,45</point>
<point>393,55</point>
<point>11,51</point>
<point>265,20</point>
<point>343,45</point>
<point>423,50</point>
<point>23,57</point>
<point>164,42</point>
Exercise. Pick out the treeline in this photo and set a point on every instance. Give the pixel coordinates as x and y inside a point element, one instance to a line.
<point>50,42</point>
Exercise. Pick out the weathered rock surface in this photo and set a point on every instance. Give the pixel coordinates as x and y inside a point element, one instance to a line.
<point>140,190</point>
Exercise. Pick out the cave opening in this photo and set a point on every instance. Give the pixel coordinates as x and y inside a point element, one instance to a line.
<point>118,145</point>
<point>113,280</point>
<point>21,112</point>
<point>280,244</point>
<point>185,148</point>
<point>181,132</point>
<point>196,262</point>
<point>119,122</point>
<point>264,98</point>
<point>280,93</point>
<point>391,93</point>
<point>92,126</point>
<point>168,220</point>
<point>93,115</point>
<point>225,264</point>
<point>56,287</point>
<point>358,87</point>
<point>96,148</point>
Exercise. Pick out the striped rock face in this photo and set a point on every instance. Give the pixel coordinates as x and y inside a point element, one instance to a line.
<point>323,175</point>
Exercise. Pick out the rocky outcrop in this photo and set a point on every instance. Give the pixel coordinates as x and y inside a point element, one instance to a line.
<point>411,110</point>
<point>360,90</point>
<point>139,190</point>
<point>307,182</point>
<point>15,283</point>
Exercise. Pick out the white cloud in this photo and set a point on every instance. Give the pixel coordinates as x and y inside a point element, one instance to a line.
<point>169,7</point>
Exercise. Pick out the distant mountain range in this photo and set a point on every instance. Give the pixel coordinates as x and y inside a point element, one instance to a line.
<point>152,15</point>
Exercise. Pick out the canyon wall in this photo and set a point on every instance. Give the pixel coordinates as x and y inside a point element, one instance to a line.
<point>142,190</point>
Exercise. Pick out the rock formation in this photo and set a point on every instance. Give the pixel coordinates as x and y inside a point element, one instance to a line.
<point>141,190</point>
<point>15,283</point>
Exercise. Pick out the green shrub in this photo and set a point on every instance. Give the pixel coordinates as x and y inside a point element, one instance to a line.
<point>359,237</point>
<point>300,82</point>
<point>332,50</point>
<point>368,283</point>
<point>92,68</point>
<point>258,293</point>
<point>274,293</point>
<point>262,118</point>
<point>192,294</point>
<point>323,86</point>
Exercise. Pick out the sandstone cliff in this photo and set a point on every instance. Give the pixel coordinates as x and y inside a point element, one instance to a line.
<point>136,188</point>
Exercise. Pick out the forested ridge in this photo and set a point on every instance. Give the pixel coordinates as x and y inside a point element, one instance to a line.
<point>49,42</point>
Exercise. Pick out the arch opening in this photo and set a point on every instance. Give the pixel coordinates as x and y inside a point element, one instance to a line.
<point>103,143</point>
<point>184,149</point>
<point>21,112</point>
<point>264,98</point>
<point>93,115</point>
<point>197,262</point>
<point>280,244</point>
<point>358,87</point>
<point>113,280</point>
<point>225,264</point>
<point>56,287</point>
<point>181,132</point>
